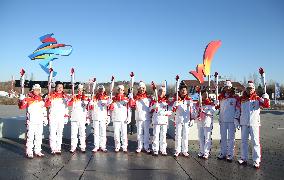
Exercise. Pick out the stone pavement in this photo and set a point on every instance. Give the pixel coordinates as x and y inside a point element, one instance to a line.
<point>111,165</point>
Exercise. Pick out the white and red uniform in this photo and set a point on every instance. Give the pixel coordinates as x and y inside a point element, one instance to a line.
<point>79,119</point>
<point>58,116</point>
<point>100,118</point>
<point>249,116</point>
<point>120,116</point>
<point>184,114</point>
<point>36,117</point>
<point>143,119</point>
<point>205,126</point>
<point>160,121</point>
<point>228,109</point>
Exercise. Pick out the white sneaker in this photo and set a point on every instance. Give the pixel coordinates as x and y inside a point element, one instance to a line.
<point>185,154</point>
<point>104,150</point>
<point>39,154</point>
<point>156,153</point>
<point>200,155</point>
<point>124,150</point>
<point>53,152</point>
<point>230,158</point>
<point>148,151</point>
<point>95,150</point>
<point>176,154</point>
<point>164,153</point>
<point>242,162</point>
<point>72,150</point>
<point>116,149</point>
<point>206,156</point>
<point>83,150</point>
<point>30,155</point>
<point>138,150</point>
<point>256,165</point>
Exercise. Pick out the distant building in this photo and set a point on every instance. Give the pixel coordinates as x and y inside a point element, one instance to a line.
<point>43,84</point>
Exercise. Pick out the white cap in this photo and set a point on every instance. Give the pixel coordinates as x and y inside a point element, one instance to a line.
<point>101,87</point>
<point>228,83</point>
<point>120,87</point>
<point>250,84</point>
<point>36,86</point>
<point>80,86</point>
<point>141,85</point>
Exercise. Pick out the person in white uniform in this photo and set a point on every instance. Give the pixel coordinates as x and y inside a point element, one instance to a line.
<point>120,116</point>
<point>141,104</point>
<point>205,125</point>
<point>79,119</point>
<point>227,104</point>
<point>36,118</point>
<point>184,116</point>
<point>161,113</point>
<point>249,117</point>
<point>99,113</point>
<point>58,116</point>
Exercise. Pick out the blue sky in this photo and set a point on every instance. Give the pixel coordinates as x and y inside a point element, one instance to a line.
<point>156,39</point>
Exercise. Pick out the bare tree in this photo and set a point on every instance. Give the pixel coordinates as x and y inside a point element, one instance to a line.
<point>245,80</point>
<point>255,78</point>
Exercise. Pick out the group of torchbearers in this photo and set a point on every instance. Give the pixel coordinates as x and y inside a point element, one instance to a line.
<point>100,109</point>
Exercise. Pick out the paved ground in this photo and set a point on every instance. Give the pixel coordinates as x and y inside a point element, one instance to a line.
<point>111,165</point>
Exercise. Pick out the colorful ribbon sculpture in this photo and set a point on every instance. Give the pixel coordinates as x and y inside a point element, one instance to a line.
<point>49,51</point>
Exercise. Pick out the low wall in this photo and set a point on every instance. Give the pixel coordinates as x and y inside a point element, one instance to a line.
<point>16,128</point>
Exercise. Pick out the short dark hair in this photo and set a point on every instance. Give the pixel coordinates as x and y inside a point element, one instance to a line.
<point>182,85</point>
<point>58,83</point>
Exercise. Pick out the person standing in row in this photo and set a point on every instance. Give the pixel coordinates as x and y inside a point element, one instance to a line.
<point>205,125</point>
<point>36,118</point>
<point>79,119</point>
<point>249,117</point>
<point>184,115</point>
<point>58,116</point>
<point>227,103</point>
<point>120,116</point>
<point>161,113</point>
<point>143,117</point>
<point>99,113</point>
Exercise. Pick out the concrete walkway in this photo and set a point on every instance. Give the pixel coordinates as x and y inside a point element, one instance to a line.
<point>111,165</point>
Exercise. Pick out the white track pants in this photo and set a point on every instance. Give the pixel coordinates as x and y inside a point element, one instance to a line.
<point>205,141</point>
<point>227,142</point>
<point>120,133</point>
<point>181,137</point>
<point>160,138</point>
<point>254,132</point>
<point>34,138</point>
<point>143,135</point>
<point>56,126</point>
<point>78,126</point>
<point>99,134</point>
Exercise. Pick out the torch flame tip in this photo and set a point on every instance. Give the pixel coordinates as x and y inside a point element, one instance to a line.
<point>22,72</point>
<point>72,70</point>
<point>177,77</point>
